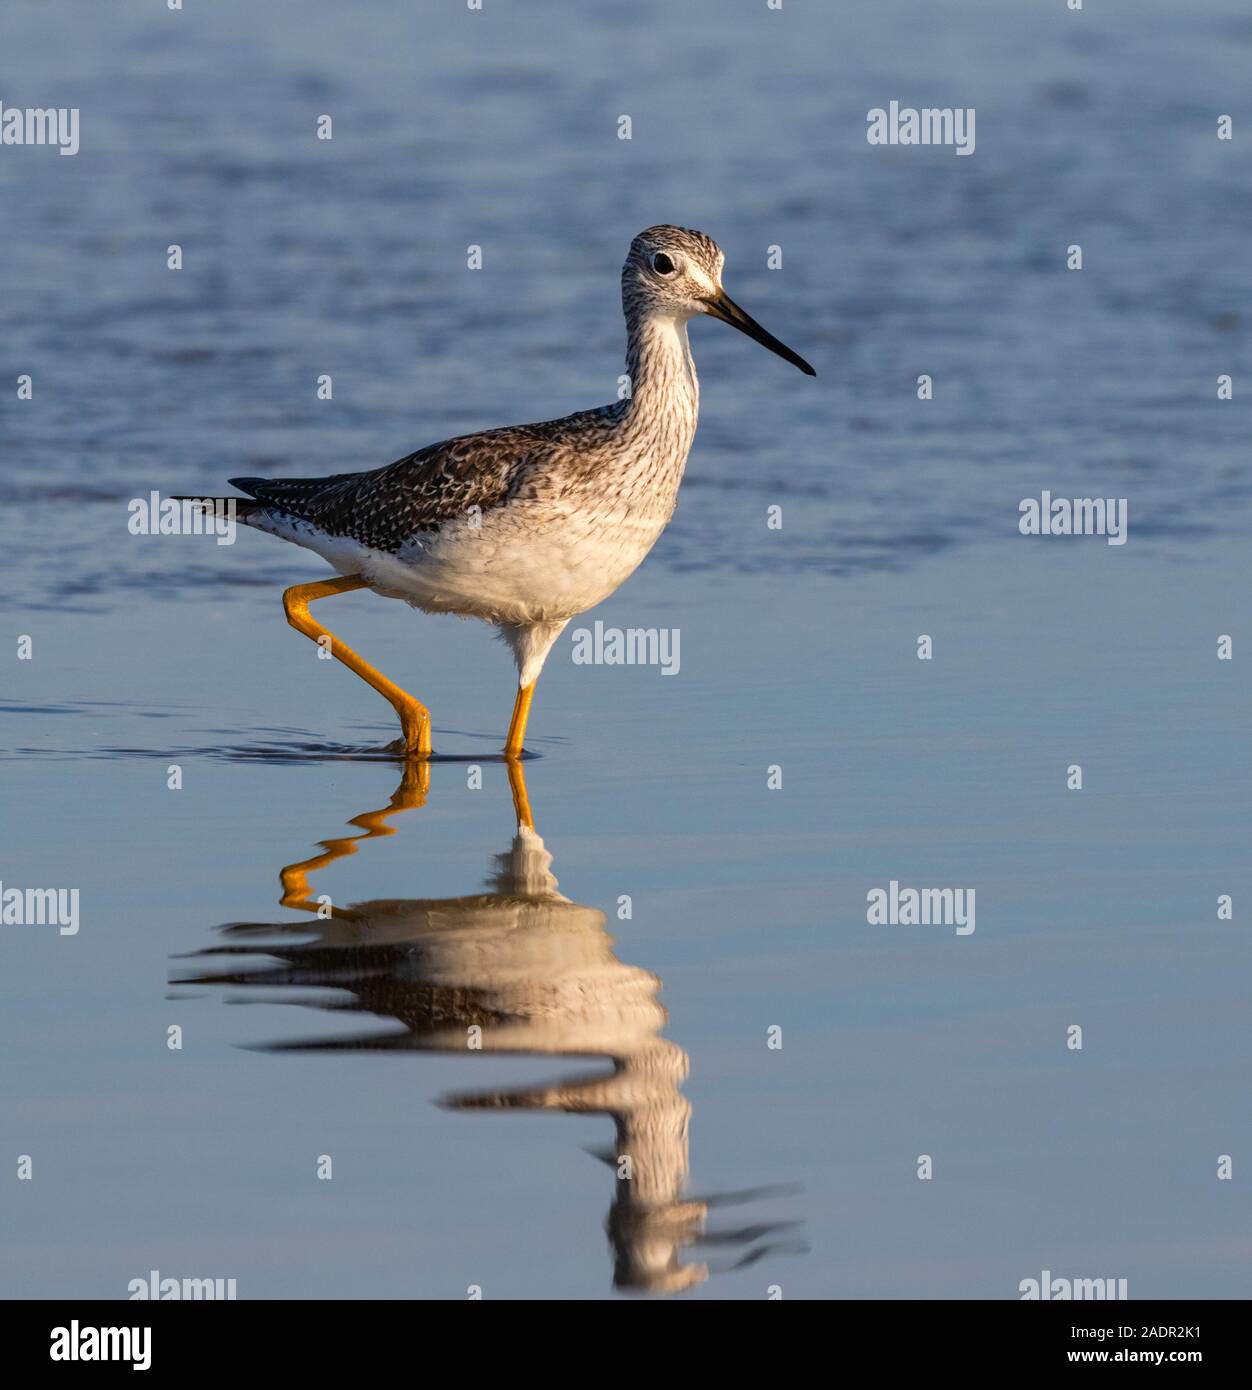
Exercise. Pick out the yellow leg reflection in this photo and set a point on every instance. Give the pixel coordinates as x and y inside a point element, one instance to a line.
<point>517,726</point>
<point>414,716</point>
<point>409,794</point>
<point>521,802</point>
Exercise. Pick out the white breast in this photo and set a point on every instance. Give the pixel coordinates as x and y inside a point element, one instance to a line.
<point>523,564</point>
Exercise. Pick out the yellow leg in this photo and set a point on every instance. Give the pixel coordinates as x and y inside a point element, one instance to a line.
<point>414,716</point>
<point>517,726</point>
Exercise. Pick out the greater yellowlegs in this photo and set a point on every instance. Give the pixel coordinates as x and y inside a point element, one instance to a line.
<point>529,525</point>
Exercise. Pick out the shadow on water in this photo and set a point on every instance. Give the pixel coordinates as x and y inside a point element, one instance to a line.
<point>516,969</point>
<point>287,745</point>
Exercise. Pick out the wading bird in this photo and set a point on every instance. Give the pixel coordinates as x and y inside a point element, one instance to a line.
<point>526,526</point>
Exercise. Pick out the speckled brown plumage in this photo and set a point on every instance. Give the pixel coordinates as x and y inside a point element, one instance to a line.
<point>527,526</point>
<point>386,507</point>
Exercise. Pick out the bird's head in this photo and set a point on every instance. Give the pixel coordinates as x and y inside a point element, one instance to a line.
<point>677,272</point>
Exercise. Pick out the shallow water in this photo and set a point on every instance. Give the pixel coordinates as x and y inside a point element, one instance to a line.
<point>747,904</point>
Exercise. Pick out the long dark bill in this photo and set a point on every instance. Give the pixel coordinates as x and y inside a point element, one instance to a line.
<point>721,306</point>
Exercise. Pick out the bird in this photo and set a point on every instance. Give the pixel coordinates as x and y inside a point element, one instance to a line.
<point>526,526</point>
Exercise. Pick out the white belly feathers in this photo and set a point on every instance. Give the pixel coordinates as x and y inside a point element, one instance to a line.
<point>519,564</point>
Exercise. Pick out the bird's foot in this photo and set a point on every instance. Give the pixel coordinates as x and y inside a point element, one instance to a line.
<point>416,742</point>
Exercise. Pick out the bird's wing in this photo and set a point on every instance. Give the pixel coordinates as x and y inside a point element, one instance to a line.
<point>387,506</point>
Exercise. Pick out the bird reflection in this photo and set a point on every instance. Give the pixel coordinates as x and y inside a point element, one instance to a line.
<point>517,968</point>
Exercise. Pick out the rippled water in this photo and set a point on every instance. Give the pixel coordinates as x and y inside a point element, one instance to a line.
<point>746,904</point>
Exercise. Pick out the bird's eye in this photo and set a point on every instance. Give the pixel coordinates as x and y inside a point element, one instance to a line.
<point>662,264</point>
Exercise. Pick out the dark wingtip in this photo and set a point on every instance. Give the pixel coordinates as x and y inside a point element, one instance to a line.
<point>247,485</point>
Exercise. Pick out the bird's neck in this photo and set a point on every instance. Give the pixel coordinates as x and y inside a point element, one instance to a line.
<point>664,390</point>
